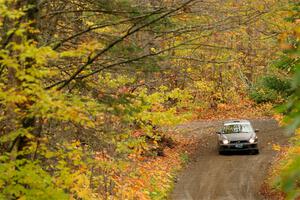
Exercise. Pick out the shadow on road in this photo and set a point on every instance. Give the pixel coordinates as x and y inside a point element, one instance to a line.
<point>238,153</point>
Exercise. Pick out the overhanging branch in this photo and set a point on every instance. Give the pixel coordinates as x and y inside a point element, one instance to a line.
<point>96,56</point>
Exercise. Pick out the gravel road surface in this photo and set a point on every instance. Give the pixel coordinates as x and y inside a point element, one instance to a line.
<point>238,176</point>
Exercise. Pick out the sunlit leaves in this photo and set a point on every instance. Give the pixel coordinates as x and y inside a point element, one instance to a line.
<point>5,11</point>
<point>17,175</point>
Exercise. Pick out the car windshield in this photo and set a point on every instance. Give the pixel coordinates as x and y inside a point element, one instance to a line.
<point>237,128</point>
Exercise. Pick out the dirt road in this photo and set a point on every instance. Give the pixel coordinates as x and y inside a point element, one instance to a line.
<point>227,177</point>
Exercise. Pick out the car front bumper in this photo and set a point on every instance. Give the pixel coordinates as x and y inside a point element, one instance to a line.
<point>238,147</point>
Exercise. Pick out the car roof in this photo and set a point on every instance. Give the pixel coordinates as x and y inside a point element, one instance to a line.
<point>229,122</point>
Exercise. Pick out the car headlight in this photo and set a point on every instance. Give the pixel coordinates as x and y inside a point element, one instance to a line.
<point>225,141</point>
<point>252,140</point>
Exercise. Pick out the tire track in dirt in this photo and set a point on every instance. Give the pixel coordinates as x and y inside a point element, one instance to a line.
<point>227,177</point>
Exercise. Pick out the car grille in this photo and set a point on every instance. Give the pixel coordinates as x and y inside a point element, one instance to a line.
<point>239,142</point>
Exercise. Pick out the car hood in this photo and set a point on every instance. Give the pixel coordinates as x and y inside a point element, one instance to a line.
<point>238,136</point>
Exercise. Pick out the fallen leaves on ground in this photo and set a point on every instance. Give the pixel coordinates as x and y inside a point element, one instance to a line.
<point>245,109</point>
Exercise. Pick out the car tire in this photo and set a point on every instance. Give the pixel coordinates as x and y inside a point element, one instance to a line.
<point>255,152</point>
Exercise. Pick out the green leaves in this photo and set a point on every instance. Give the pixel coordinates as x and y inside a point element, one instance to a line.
<point>25,179</point>
<point>5,11</point>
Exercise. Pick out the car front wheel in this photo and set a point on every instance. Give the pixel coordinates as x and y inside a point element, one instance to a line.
<point>255,152</point>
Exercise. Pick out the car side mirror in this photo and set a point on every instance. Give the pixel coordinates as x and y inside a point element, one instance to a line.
<point>256,131</point>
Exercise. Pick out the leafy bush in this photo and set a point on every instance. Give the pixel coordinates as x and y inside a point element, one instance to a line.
<point>270,89</point>
<point>277,84</point>
<point>263,95</point>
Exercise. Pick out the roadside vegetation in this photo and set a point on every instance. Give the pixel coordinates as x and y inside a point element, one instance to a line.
<point>88,89</point>
<point>285,172</point>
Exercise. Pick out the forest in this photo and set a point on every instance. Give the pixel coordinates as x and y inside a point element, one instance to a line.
<point>90,90</point>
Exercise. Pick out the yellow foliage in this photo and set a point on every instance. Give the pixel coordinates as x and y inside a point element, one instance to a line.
<point>276,147</point>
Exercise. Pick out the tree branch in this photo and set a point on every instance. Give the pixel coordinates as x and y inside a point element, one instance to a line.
<point>204,61</point>
<point>111,12</point>
<point>125,62</point>
<point>95,57</point>
<point>91,28</point>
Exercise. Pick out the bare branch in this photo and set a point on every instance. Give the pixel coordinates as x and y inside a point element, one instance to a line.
<point>95,57</point>
<point>204,61</point>
<point>111,12</point>
<point>95,27</point>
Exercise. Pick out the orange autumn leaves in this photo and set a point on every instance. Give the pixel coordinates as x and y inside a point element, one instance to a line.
<point>244,109</point>
<point>150,177</point>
